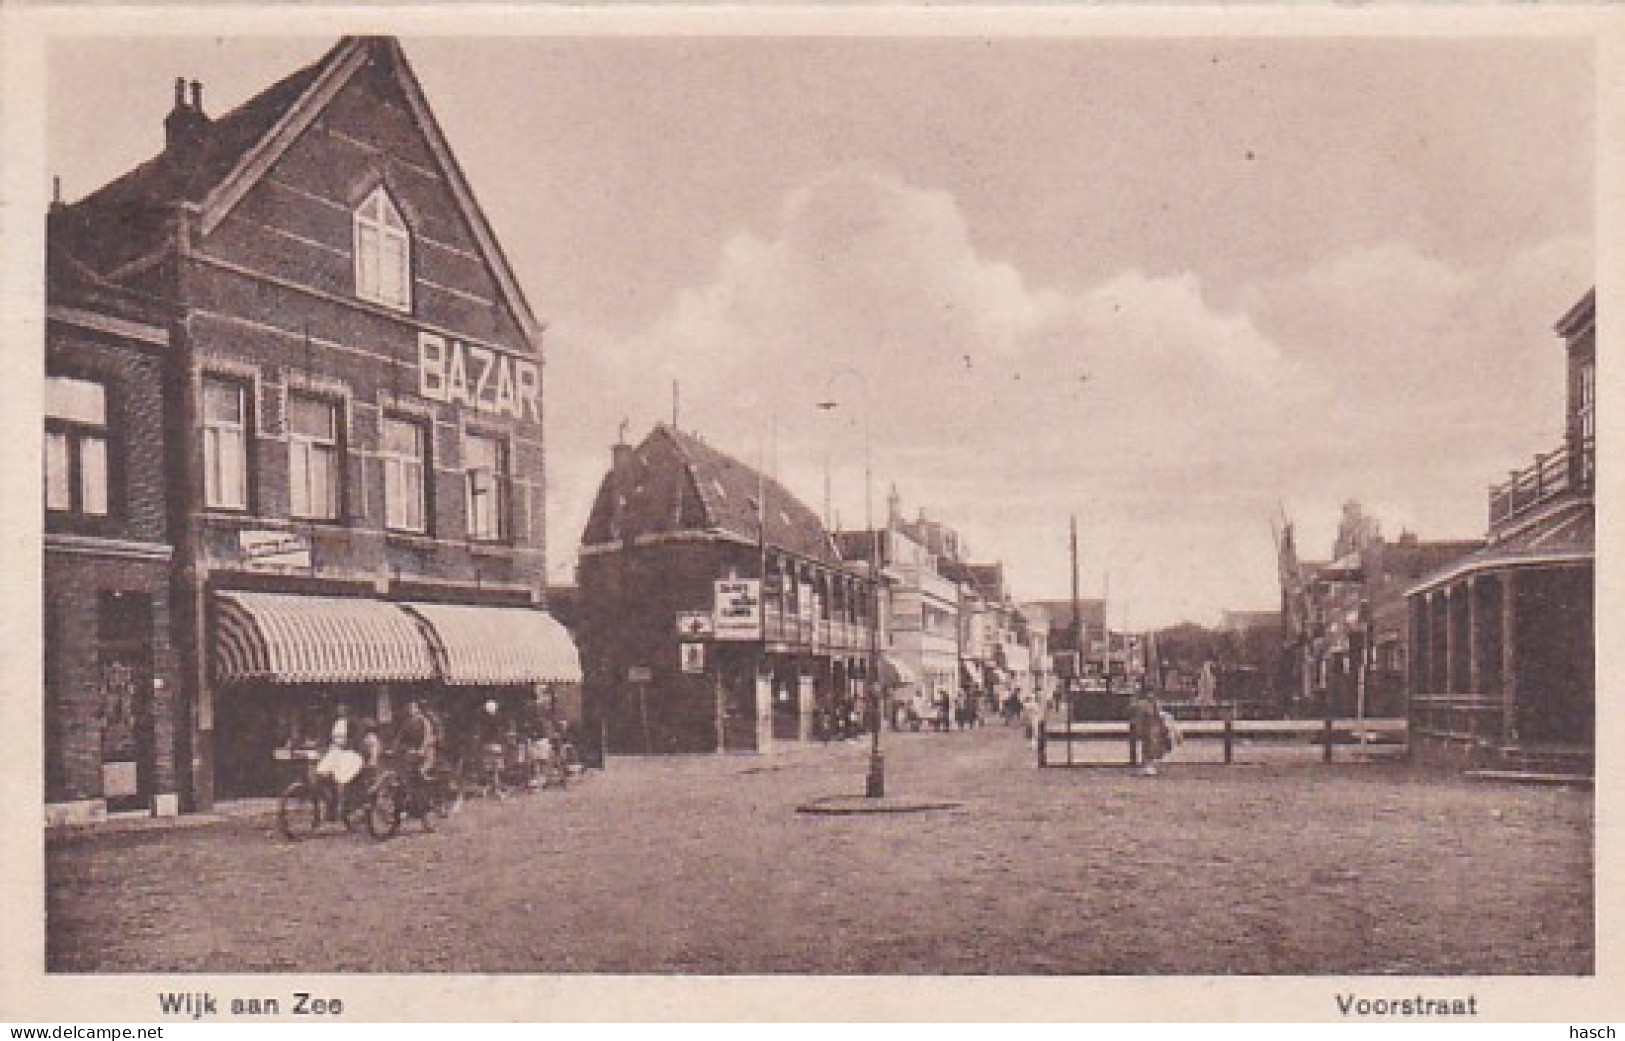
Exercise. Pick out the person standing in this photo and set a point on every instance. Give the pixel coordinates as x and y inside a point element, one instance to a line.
<point>1150,729</point>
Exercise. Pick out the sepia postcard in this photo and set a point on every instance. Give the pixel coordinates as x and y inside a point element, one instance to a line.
<point>866,513</point>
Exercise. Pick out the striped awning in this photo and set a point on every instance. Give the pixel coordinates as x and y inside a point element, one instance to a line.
<point>284,638</point>
<point>499,645</point>
<point>895,673</point>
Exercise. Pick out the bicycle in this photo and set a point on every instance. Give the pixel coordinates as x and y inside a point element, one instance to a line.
<point>314,799</point>
<point>393,798</point>
<point>445,785</point>
<point>548,767</point>
<point>489,776</point>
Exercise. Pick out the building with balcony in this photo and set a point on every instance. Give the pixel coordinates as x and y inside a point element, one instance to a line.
<point>348,421</point>
<point>714,611</point>
<point>1504,648</point>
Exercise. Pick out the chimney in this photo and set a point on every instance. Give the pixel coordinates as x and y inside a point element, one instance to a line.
<point>186,125</point>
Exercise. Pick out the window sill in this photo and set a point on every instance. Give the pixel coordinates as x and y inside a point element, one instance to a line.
<point>411,539</point>
<point>490,547</point>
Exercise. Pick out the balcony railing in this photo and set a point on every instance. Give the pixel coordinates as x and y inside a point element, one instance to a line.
<point>1551,475</point>
<point>831,634</point>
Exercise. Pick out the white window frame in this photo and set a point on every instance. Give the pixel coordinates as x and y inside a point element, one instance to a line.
<point>1588,400</point>
<point>76,452</point>
<point>225,441</point>
<point>487,489</point>
<point>315,462</point>
<point>383,252</point>
<point>406,499</point>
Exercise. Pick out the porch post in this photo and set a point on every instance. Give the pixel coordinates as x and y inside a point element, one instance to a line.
<point>1475,640</point>
<point>1509,657</point>
<point>1450,669</point>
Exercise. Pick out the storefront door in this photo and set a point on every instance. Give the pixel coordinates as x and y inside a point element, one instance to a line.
<point>124,676</point>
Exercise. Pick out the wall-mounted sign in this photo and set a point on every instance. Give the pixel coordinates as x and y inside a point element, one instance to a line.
<point>695,625</point>
<point>737,611</point>
<point>274,548</point>
<point>693,655</point>
<point>639,674</point>
<point>467,374</point>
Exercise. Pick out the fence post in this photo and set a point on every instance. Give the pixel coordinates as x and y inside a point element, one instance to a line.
<point>1042,761</point>
<point>1327,753</point>
<point>1229,733</point>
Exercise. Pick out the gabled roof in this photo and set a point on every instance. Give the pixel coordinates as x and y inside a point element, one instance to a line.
<point>676,483</point>
<point>1579,317</point>
<point>238,148</point>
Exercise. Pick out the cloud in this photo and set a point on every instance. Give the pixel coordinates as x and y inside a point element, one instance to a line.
<point>1170,424</point>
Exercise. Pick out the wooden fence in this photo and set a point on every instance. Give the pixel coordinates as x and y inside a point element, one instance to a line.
<point>1388,735</point>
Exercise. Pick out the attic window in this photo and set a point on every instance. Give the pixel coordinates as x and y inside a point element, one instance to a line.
<point>383,253</point>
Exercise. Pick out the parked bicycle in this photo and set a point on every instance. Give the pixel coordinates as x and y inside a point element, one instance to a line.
<point>315,799</point>
<point>402,791</point>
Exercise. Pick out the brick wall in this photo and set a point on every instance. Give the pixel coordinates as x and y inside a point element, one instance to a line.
<point>271,297</point>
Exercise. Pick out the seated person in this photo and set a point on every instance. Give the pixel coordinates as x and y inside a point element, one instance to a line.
<point>340,764</point>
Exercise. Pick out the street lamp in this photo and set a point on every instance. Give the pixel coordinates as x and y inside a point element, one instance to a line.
<point>874,786</point>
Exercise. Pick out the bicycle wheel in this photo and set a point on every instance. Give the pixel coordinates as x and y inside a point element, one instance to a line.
<point>448,792</point>
<point>384,808</point>
<point>299,811</point>
<point>357,796</point>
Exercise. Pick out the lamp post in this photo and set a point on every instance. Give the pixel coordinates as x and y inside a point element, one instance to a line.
<point>874,786</point>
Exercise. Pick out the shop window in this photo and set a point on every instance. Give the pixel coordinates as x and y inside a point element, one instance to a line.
<point>314,461</point>
<point>76,447</point>
<point>225,445</point>
<point>383,253</point>
<point>485,461</point>
<point>404,455</point>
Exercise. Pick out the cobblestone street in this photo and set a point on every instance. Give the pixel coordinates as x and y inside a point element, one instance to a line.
<point>702,865</point>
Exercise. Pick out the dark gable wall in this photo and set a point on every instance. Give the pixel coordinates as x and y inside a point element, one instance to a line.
<point>294,226</point>
<point>133,376</point>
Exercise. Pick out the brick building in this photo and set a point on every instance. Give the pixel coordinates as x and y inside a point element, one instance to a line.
<point>1505,654</point>
<point>112,739</point>
<point>1348,648</point>
<point>714,610</point>
<point>353,410</point>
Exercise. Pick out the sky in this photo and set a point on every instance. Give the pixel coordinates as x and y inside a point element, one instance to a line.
<point>1174,287</point>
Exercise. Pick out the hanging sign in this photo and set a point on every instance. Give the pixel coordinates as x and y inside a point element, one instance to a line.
<point>737,611</point>
<point>695,625</point>
<point>278,548</point>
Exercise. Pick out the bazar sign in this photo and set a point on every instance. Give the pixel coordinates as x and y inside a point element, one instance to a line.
<point>460,373</point>
<point>737,610</point>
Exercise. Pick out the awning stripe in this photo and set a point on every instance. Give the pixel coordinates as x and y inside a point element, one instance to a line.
<point>285,638</point>
<point>896,673</point>
<point>499,645</point>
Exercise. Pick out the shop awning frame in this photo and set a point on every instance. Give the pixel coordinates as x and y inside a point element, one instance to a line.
<point>497,646</point>
<point>289,638</point>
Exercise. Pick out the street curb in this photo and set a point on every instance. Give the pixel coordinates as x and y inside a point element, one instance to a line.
<point>854,805</point>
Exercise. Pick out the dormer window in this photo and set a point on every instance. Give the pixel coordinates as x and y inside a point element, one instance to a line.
<point>383,253</point>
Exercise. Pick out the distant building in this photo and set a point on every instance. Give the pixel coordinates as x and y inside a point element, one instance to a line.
<point>1250,621</point>
<point>1343,620</point>
<point>1505,654</point>
<point>714,610</point>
